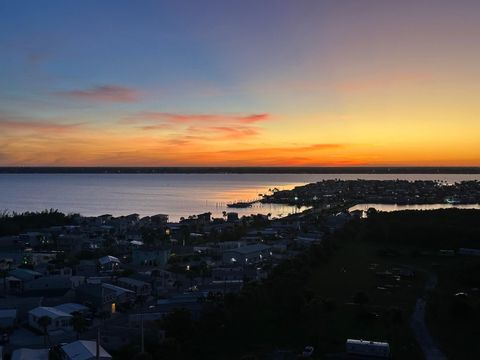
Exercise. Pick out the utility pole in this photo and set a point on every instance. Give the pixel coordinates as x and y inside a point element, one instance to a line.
<point>142,334</point>
<point>98,344</point>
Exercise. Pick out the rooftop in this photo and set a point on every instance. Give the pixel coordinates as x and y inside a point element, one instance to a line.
<point>251,248</point>
<point>51,312</point>
<point>70,308</point>
<point>84,350</point>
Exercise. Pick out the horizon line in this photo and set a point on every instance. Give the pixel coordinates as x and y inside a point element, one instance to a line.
<point>243,169</point>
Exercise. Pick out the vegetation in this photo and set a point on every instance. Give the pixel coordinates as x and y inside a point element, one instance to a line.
<point>14,223</point>
<point>79,323</point>
<point>44,322</point>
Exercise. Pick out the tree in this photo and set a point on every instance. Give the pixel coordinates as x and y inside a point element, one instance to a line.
<point>44,322</point>
<point>178,324</point>
<point>79,323</point>
<point>104,315</point>
<point>360,298</point>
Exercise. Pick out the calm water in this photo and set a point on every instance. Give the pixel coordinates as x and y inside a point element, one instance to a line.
<point>174,194</point>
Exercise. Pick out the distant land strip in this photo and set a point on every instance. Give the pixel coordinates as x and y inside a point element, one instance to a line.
<point>240,170</point>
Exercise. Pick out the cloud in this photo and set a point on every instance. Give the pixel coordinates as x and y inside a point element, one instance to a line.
<point>206,126</point>
<point>224,132</point>
<point>177,118</point>
<point>38,126</point>
<point>104,93</point>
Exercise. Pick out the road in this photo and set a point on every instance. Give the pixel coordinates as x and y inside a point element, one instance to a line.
<point>420,329</point>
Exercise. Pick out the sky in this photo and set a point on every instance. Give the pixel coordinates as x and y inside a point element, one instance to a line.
<point>239,83</point>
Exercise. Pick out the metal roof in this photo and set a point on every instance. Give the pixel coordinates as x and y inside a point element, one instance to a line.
<point>84,350</point>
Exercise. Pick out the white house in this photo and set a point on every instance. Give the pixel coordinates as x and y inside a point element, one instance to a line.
<point>71,308</point>
<point>59,320</point>
<point>367,348</point>
<point>84,350</point>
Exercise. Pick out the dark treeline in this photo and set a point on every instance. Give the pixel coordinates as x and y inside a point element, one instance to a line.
<point>438,229</point>
<point>240,170</point>
<point>14,223</point>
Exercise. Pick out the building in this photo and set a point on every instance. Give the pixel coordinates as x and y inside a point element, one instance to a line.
<point>29,281</point>
<point>141,288</point>
<point>150,257</point>
<point>109,263</point>
<point>249,254</point>
<point>469,252</point>
<point>59,320</point>
<point>30,354</point>
<point>367,348</point>
<point>71,308</point>
<point>84,350</point>
<point>104,296</point>
<point>8,317</point>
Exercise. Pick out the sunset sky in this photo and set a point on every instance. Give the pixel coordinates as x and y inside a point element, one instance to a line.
<point>239,82</point>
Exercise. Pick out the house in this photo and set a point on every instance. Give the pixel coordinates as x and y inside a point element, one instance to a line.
<point>141,288</point>
<point>28,281</point>
<point>84,350</point>
<point>19,277</point>
<point>36,258</point>
<point>308,239</point>
<point>8,317</point>
<point>109,263</point>
<point>59,320</point>
<point>30,354</point>
<point>367,348</point>
<point>150,257</point>
<point>71,308</point>
<point>249,254</point>
<point>228,273</point>
<point>86,268</point>
<point>469,252</point>
<point>104,296</point>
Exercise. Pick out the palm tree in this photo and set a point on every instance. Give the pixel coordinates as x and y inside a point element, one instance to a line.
<point>44,322</point>
<point>79,323</point>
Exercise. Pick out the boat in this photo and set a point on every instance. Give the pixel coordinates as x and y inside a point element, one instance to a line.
<point>452,201</point>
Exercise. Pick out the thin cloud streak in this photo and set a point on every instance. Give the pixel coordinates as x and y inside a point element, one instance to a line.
<point>39,126</point>
<point>104,93</point>
<point>177,118</point>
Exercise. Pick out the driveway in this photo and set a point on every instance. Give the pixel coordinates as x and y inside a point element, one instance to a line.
<point>420,329</point>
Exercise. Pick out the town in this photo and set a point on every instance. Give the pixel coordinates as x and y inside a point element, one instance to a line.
<point>400,192</point>
<point>97,286</point>
<point>112,273</point>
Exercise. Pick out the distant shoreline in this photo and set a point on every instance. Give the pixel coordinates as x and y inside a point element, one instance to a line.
<point>240,170</point>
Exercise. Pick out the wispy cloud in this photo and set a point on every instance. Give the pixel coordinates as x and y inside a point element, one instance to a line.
<point>177,118</point>
<point>224,132</point>
<point>12,123</point>
<point>104,93</point>
<point>204,127</point>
